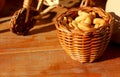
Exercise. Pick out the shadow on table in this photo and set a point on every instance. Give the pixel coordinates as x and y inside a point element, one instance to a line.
<point>46,22</point>
<point>47,18</point>
<point>43,29</point>
<point>112,51</point>
<point>5,30</point>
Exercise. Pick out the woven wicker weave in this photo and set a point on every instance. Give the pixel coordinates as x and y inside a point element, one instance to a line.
<point>84,46</point>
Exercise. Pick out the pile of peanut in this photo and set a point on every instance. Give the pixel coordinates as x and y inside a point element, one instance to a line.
<point>85,21</point>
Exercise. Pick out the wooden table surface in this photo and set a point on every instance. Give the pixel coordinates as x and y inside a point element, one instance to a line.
<point>39,54</point>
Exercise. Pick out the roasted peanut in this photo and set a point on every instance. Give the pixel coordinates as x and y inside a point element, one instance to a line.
<point>93,14</point>
<point>96,26</point>
<point>82,13</point>
<point>83,26</point>
<point>75,24</point>
<point>88,20</point>
<point>98,22</point>
<point>84,17</point>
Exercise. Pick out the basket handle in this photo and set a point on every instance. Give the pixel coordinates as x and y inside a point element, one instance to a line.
<point>85,3</point>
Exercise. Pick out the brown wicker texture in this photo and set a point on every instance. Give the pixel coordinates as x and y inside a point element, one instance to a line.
<point>84,46</point>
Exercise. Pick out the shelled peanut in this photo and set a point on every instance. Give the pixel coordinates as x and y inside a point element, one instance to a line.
<point>85,21</point>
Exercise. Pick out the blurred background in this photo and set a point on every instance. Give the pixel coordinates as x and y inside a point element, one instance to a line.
<point>8,7</point>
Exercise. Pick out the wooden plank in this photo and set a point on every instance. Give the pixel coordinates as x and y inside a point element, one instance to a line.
<point>58,64</point>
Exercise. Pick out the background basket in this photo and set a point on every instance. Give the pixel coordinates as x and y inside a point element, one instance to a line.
<point>84,46</point>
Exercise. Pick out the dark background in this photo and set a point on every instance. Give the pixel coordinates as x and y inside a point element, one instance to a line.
<point>8,7</point>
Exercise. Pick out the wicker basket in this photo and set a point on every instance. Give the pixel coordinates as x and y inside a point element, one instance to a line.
<point>84,46</point>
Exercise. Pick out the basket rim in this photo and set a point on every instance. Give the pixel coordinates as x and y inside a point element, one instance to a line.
<point>105,15</point>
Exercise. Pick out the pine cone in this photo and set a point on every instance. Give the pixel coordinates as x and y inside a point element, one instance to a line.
<point>18,24</point>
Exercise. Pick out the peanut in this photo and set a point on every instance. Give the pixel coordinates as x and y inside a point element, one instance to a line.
<point>93,14</point>
<point>98,22</point>
<point>88,20</point>
<point>75,24</point>
<point>83,26</point>
<point>82,13</point>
